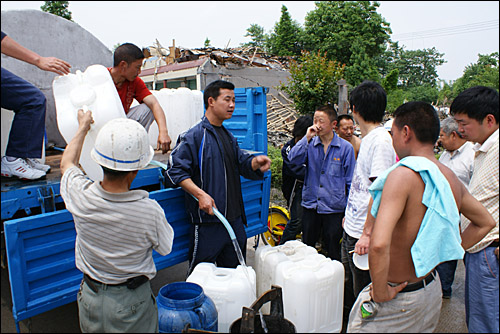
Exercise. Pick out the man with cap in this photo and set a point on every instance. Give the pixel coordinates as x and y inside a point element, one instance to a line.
<point>117,229</point>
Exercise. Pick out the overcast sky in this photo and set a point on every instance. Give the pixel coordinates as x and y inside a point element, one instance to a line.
<point>459,29</point>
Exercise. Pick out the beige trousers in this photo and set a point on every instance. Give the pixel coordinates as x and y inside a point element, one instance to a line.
<point>409,312</point>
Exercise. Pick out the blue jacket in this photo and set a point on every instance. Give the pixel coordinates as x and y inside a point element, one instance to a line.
<point>199,155</point>
<point>328,178</point>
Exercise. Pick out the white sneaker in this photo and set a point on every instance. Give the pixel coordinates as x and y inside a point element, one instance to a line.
<point>35,163</point>
<point>21,169</point>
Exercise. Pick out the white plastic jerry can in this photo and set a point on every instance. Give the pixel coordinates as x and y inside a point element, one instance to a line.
<point>91,90</point>
<point>230,289</point>
<point>267,259</point>
<point>313,293</point>
<point>183,108</point>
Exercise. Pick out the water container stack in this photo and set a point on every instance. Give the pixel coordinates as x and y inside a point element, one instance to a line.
<point>183,108</point>
<point>230,288</point>
<point>313,285</point>
<point>93,90</point>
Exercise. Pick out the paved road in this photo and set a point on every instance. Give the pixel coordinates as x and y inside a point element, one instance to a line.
<point>64,319</point>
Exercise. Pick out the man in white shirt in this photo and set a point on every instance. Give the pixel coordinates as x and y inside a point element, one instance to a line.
<point>458,156</point>
<point>376,154</point>
<point>476,112</point>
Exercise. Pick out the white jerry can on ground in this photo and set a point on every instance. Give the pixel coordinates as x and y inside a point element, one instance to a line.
<point>229,288</point>
<point>312,285</point>
<point>267,259</point>
<point>90,90</point>
<point>313,293</point>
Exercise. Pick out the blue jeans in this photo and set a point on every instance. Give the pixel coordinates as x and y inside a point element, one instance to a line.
<point>28,126</point>
<point>294,226</point>
<point>481,291</point>
<point>446,272</point>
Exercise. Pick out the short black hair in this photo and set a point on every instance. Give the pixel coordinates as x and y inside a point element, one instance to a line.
<point>476,102</point>
<point>422,119</point>
<point>113,174</point>
<point>329,110</point>
<point>213,90</point>
<point>127,52</point>
<point>370,101</point>
<point>345,116</point>
<point>301,125</point>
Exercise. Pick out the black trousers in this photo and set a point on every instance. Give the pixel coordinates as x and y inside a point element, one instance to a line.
<point>328,225</point>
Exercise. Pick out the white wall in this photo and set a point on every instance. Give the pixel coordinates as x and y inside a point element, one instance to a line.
<point>51,35</point>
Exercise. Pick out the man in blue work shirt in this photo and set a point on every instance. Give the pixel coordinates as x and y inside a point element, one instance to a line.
<point>330,164</point>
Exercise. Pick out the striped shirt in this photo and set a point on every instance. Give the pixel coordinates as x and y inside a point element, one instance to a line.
<point>484,186</point>
<point>116,232</point>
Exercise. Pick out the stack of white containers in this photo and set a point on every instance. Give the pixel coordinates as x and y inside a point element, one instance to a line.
<point>230,290</point>
<point>183,108</point>
<point>313,285</point>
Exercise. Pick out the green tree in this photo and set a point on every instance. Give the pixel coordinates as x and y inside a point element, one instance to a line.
<point>285,38</point>
<point>258,36</point>
<point>274,154</point>
<point>395,98</point>
<point>59,8</point>
<point>390,82</point>
<point>419,67</point>
<point>426,93</point>
<point>362,66</point>
<point>312,82</point>
<point>335,26</point>
<point>206,43</point>
<point>483,73</point>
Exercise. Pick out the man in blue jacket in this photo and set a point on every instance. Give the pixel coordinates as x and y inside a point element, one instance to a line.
<point>329,162</point>
<point>207,163</point>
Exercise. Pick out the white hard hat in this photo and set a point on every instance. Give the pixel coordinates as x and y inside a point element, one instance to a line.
<point>122,144</point>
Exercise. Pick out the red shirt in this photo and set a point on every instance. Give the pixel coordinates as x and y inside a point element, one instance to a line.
<point>132,89</point>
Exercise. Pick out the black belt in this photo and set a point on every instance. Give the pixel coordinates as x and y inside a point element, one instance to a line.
<point>420,284</point>
<point>494,244</point>
<point>131,283</point>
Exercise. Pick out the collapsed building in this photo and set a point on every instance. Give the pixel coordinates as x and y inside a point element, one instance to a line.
<point>244,67</point>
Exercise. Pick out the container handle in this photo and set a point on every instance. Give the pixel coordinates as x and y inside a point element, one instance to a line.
<point>275,296</point>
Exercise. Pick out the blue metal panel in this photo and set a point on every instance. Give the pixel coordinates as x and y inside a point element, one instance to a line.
<point>41,248</point>
<point>249,123</point>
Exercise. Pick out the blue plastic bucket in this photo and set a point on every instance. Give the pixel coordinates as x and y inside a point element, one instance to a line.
<point>182,303</point>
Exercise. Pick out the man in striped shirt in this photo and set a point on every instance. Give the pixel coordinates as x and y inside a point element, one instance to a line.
<point>476,112</point>
<point>117,229</point>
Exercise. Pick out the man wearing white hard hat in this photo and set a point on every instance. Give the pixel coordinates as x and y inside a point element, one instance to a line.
<point>117,229</point>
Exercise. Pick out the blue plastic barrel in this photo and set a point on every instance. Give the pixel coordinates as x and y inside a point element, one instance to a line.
<point>182,303</point>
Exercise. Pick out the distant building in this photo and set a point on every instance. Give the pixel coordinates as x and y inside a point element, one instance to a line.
<point>195,69</point>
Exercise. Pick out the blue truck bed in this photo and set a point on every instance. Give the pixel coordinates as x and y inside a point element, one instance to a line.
<point>40,246</point>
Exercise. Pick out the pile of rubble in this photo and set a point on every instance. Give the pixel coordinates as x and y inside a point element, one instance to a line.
<point>280,120</point>
<point>242,56</point>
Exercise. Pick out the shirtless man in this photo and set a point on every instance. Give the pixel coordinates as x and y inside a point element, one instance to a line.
<point>399,299</point>
<point>345,130</point>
